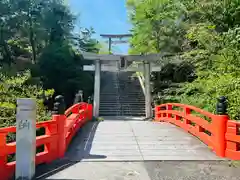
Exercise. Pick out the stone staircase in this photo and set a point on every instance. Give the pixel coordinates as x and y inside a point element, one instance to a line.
<point>121,95</point>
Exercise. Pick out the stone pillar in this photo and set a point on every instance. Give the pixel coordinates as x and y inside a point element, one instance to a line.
<point>25,138</point>
<point>148,108</point>
<point>96,101</point>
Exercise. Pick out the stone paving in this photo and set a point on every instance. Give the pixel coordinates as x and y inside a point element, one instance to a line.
<point>119,149</point>
<point>148,170</point>
<point>136,141</point>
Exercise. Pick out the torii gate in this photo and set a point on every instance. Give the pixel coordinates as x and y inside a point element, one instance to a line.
<point>146,64</point>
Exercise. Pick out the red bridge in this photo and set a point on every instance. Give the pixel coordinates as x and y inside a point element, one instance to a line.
<point>218,132</point>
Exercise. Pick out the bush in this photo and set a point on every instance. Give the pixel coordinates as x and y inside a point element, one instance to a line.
<point>13,87</point>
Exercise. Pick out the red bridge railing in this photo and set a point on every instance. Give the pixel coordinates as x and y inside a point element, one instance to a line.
<point>58,134</point>
<point>217,131</point>
<point>233,140</point>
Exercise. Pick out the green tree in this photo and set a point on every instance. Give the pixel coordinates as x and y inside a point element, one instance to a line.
<point>157,26</point>
<point>28,26</point>
<point>205,33</point>
<point>36,37</point>
<point>17,86</point>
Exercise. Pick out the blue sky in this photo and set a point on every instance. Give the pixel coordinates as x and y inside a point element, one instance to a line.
<point>105,16</point>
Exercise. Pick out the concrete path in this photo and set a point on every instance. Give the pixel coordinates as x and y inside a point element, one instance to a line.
<point>119,149</point>
<point>136,141</point>
<point>149,170</point>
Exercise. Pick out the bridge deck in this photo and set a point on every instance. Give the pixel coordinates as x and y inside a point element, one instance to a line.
<point>120,140</point>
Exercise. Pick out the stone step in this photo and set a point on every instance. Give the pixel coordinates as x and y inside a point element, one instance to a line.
<point>134,97</point>
<point>136,108</point>
<point>122,100</point>
<point>110,87</point>
<point>111,104</point>
<point>119,109</point>
<point>142,109</point>
<point>121,93</point>
<point>122,114</point>
<point>122,103</point>
<point>110,91</point>
<point>123,97</point>
<point>116,84</point>
<point>124,108</point>
<point>129,112</point>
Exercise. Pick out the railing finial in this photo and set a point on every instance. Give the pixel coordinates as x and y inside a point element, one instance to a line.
<point>222,106</point>
<point>90,100</point>
<point>78,97</point>
<point>59,105</point>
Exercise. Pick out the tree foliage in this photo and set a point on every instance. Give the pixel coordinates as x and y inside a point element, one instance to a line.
<point>15,87</point>
<point>39,54</point>
<point>206,34</point>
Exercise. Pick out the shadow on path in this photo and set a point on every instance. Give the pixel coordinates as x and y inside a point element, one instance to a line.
<point>80,148</point>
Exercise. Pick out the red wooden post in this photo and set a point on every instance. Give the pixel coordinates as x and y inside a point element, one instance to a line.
<point>156,113</point>
<point>89,112</point>
<point>163,114</point>
<point>61,120</point>
<point>219,125</point>
<point>52,130</point>
<point>199,128</point>
<point>232,129</point>
<point>3,157</point>
<point>187,111</point>
<point>169,107</point>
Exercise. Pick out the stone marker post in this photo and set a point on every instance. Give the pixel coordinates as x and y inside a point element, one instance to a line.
<point>25,138</point>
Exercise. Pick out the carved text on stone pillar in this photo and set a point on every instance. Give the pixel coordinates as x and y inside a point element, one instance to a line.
<point>24,124</point>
